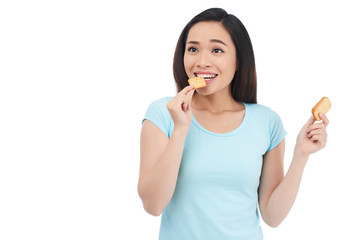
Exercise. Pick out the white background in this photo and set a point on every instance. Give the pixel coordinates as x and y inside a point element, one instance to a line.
<point>76,78</point>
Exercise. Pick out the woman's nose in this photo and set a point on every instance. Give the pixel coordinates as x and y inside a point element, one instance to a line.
<point>203,60</point>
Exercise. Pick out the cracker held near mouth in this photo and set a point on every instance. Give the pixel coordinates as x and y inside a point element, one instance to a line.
<point>198,82</point>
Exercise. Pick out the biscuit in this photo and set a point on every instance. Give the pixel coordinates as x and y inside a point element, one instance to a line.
<point>323,106</point>
<point>198,82</point>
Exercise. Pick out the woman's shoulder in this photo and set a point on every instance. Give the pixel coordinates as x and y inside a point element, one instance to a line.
<point>258,107</point>
<point>262,110</point>
<point>160,116</point>
<point>159,106</point>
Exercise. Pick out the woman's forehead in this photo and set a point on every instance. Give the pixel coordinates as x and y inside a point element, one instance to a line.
<point>208,30</point>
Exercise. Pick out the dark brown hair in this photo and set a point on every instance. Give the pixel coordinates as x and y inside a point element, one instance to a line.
<point>243,85</point>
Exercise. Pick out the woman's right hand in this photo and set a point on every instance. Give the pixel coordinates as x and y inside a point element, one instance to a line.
<point>179,107</point>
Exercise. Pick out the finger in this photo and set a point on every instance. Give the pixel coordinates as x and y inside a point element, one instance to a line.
<point>186,89</point>
<point>309,123</point>
<point>178,102</point>
<point>317,126</point>
<point>324,119</point>
<point>190,93</point>
<point>180,97</point>
<point>319,139</point>
<point>182,100</point>
<point>188,98</point>
<point>313,132</point>
<point>184,106</point>
<point>317,132</point>
<point>192,87</point>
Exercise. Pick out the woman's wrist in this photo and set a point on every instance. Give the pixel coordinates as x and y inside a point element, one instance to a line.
<point>300,155</point>
<point>180,131</point>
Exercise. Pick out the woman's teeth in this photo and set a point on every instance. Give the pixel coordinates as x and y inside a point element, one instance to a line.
<point>206,76</point>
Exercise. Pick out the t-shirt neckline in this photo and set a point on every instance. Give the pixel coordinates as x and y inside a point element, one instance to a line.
<point>228,134</point>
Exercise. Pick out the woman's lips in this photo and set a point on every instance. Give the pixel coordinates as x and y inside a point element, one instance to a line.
<point>208,81</point>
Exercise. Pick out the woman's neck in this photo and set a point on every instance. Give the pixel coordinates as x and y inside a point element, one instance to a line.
<point>216,103</point>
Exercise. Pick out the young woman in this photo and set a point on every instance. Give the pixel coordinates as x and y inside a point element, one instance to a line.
<point>211,156</point>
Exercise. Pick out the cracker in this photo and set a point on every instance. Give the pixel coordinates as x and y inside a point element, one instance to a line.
<point>323,106</point>
<point>198,82</point>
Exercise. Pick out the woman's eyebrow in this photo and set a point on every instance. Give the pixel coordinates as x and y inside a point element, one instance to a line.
<point>193,42</point>
<point>218,41</point>
<point>211,40</point>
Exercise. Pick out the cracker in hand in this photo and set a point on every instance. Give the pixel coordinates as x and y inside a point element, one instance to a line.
<point>323,106</point>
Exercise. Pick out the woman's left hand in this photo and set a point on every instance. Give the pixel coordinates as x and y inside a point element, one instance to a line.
<point>312,136</point>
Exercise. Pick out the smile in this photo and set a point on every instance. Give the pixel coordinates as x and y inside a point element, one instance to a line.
<point>207,76</point>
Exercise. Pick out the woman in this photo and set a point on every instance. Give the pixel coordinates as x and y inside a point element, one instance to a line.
<point>211,156</point>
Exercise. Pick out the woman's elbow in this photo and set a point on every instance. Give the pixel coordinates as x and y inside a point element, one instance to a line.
<point>152,210</point>
<point>273,223</point>
<point>149,207</point>
<point>271,218</point>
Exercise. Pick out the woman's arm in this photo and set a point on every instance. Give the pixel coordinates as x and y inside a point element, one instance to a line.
<point>159,167</point>
<point>277,193</point>
<point>160,156</point>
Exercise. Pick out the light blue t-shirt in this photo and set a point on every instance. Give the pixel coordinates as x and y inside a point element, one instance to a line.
<point>216,194</point>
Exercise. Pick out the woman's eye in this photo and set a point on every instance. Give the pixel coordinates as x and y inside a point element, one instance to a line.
<point>192,49</point>
<point>217,50</point>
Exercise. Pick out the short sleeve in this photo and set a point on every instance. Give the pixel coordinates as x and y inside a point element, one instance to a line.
<point>160,116</point>
<point>277,131</point>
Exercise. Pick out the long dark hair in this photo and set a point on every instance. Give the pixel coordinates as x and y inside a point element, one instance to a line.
<point>243,85</point>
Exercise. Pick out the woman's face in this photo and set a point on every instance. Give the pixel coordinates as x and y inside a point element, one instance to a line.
<point>210,53</point>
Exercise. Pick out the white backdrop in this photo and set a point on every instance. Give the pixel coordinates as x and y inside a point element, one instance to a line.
<point>76,78</point>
